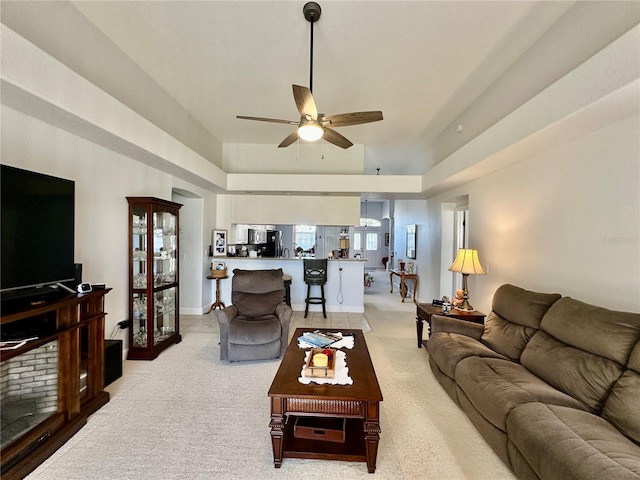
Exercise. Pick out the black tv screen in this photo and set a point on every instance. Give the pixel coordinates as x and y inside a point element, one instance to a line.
<point>37,230</point>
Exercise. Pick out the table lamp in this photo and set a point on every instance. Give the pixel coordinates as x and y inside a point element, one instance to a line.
<point>466,263</point>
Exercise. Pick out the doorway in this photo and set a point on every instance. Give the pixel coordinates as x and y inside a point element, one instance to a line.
<point>366,241</point>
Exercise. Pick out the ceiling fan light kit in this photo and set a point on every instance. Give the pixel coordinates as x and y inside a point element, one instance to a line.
<point>313,126</point>
<point>310,132</point>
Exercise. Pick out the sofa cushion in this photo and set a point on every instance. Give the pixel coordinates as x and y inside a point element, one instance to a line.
<point>255,331</point>
<point>597,330</point>
<point>257,292</point>
<point>622,407</point>
<point>506,337</point>
<point>447,349</point>
<point>496,386</point>
<point>583,375</point>
<point>257,304</point>
<point>561,443</point>
<point>521,306</point>
<point>582,349</point>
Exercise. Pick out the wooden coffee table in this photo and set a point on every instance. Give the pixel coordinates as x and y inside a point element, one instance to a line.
<point>358,404</point>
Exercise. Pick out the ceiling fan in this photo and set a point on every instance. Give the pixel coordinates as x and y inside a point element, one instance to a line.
<point>313,125</point>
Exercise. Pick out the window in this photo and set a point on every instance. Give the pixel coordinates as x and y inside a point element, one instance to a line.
<point>372,241</point>
<point>357,241</point>
<point>305,237</point>
<point>370,222</point>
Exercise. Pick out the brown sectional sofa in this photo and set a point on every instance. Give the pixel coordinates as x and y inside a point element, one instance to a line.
<point>552,384</point>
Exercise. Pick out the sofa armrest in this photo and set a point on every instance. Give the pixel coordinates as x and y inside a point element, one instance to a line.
<point>284,312</point>
<point>440,323</point>
<point>225,315</point>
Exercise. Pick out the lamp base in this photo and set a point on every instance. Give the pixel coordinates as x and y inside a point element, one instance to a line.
<point>462,308</point>
<point>465,306</point>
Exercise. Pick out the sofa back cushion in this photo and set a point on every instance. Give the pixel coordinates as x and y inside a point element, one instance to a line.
<point>256,293</point>
<point>622,407</point>
<point>521,306</point>
<point>515,316</point>
<point>582,349</point>
<point>505,337</point>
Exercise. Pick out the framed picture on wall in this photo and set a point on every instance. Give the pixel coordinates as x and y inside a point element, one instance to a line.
<point>219,243</point>
<point>411,241</point>
<point>386,239</point>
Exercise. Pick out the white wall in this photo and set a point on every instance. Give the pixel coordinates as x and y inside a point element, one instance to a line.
<point>566,221</point>
<point>409,212</point>
<point>103,180</point>
<point>194,250</point>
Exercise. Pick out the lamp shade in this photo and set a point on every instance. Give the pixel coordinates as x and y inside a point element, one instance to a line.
<point>467,263</point>
<point>310,132</point>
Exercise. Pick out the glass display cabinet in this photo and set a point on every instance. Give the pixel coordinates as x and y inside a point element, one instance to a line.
<point>153,276</point>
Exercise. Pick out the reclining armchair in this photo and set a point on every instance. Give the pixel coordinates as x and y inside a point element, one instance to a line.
<point>256,325</point>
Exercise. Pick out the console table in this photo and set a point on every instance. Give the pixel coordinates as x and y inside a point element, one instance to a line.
<point>403,288</point>
<point>425,310</point>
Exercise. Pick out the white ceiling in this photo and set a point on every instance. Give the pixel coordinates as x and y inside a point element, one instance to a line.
<point>420,62</point>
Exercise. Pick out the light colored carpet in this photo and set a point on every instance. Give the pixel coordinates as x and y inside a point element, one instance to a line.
<point>186,415</point>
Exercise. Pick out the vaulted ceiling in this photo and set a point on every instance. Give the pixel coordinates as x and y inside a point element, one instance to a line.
<point>422,63</point>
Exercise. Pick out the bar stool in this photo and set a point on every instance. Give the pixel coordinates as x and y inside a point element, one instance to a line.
<point>287,288</point>
<point>315,273</point>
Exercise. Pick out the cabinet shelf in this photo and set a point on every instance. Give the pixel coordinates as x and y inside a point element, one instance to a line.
<point>153,276</point>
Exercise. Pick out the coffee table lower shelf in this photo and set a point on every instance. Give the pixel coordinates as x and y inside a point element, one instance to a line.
<point>352,449</point>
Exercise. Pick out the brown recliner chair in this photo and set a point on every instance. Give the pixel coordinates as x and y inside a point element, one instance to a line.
<point>256,325</point>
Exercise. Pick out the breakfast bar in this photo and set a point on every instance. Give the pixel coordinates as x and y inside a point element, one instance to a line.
<point>344,291</point>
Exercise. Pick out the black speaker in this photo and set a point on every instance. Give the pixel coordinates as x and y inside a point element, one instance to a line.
<point>77,274</point>
<point>112,361</point>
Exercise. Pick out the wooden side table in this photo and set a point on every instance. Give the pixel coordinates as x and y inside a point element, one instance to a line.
<point>403,288</point>
<point>425,310</point>
<point>217,275</point>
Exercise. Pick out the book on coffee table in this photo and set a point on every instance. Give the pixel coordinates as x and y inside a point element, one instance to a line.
<point>318,339</point>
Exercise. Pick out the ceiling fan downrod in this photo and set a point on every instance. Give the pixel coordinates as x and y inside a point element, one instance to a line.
<point>311,11</point>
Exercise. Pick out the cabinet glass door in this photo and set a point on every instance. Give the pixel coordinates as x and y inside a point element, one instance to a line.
<point>165,314</point>
<point>139,254</point>
<point>139,323</point>
<point>164,248</point>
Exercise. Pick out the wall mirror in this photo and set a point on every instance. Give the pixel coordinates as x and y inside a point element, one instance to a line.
<point>411,241</point>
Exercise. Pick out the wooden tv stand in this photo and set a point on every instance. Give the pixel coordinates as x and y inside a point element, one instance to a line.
<point>65,384</point>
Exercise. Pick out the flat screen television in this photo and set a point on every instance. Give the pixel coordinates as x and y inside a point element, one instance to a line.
<point>37,233</point>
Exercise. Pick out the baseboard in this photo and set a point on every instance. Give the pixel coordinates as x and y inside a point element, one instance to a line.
<point>194,310</point>
<point>330,308</point>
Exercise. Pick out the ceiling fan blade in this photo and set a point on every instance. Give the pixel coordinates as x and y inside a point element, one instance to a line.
<point>304,101</point>
<point>334,137</point>
<point>262,119</point>
<point>354,118</point>
<point>292,137</point>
